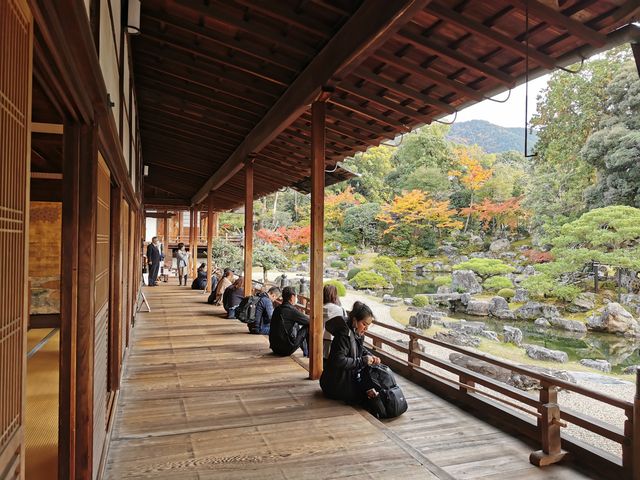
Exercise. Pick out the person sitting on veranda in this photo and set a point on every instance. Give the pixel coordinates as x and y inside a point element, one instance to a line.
<point>289,326</point>
<point>348,355</point>
<point>223,284</point>
<point>200,282</point>
<point>232,297</point>
<point>264,311</point>
<point>331,308</point>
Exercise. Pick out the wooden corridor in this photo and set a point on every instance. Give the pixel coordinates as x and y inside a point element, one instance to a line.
<point>200,398</point>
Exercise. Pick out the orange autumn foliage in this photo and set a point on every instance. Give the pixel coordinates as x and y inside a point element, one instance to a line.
<point>500,214</point>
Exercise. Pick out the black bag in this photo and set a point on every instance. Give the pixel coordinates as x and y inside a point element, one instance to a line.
<point>246,311</point>
<point>390,401</point>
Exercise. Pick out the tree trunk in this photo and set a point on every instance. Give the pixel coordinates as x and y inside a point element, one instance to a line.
<point>466,224</point>
<point>264,275</point>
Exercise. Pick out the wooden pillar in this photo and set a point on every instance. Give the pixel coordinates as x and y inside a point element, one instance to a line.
<point>180,227</point>
<point>115,287</point>
<point>635,440</point>
<point>248,225</point>
<point>216,224</point>
<point>165,240</point>
<point>193,260</point>
<point>196,234</point>
<point>318,117</point>
<point>79,212</point>
<point>209,240</point>
<point>549,427</point>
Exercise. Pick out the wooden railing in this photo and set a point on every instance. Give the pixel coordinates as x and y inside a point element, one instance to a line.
<point>542,413</point>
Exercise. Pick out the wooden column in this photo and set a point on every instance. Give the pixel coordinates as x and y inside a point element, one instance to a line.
<point>209,241</point>
<point>196,234</point>
<point>248,225</point>
<point>79,211</point>
<point>165,240</point>
<point>549,425</point>
<point>193,260</point>
<point>318,116</point>
<point>115,289</point>
<point>180,227</point>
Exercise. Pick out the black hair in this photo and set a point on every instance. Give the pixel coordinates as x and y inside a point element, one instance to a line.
<point>180,245</point>
<point>288,293</point>
<point>274,291</point>
<point>359,312</point>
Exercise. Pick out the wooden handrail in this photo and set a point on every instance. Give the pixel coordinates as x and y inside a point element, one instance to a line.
<point>550,418</point>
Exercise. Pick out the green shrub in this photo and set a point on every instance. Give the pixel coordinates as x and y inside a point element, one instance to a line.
<point>497,283</point>
<point>339,264</point>
<point>568,293</point>
<point>353,272</point>
<point>386,267</point>
<point>507,293</point>
<point>344,255</point>
<point>441,280</point>
<point>368,279</point>
<point>342,290</point>
<point>352,250</point>
<point>538,285</point>
<point>420,300</point>
<point>485,267</point>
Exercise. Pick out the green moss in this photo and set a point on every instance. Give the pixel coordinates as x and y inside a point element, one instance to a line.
<point>353,272</point>
<point>441,280</point>
<point>342,290</point>
<point>339,264</point>
<point>386,267</point>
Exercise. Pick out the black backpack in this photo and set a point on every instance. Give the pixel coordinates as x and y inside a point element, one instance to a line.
<point>246,311</point>
<point>390,401</point>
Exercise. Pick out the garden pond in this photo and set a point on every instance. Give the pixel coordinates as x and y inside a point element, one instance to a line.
<point>621,352</point>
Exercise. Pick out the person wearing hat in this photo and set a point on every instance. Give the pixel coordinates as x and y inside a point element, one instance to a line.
<point>223,284</point>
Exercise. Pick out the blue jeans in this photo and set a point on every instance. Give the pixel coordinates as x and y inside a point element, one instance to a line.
<point>231,313</point>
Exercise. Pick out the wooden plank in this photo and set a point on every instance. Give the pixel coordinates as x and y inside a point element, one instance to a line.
<point>248,224</point>
<point>52,128</point>
<point>372,24</point>
<point>316,328</point>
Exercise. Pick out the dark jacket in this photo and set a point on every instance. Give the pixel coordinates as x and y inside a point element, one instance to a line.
<point>153,254</point>
<point>285,337</point>
<point>338,380</point>
<point>200,282</point>
<point>232,297</point>
<point>264,311</point>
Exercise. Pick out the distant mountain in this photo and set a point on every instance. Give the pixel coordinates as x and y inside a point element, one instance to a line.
<point>492,138</point>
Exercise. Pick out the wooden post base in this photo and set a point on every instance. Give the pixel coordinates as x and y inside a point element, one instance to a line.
<point>542,459</point>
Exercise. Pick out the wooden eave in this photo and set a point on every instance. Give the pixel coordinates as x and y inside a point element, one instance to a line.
<point>219,81</point>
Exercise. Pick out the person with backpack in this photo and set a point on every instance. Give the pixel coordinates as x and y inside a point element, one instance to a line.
<point>348,356</point>
<point>263,311</point>
<point>289,326</point>
<point>232,297</point>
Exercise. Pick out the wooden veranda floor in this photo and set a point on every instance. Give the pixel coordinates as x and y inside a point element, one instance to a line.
<point>201,398</point>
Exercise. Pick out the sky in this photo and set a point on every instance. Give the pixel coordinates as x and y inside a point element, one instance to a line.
<point>508,114</point>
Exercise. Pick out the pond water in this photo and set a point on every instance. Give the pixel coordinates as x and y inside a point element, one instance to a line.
<point>621,352</point>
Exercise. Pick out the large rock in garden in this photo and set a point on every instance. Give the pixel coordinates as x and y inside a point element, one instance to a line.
<point>386,298</point>
<point>490,334</point>
<point>499,245</point>
<point>472,328</point>
<point>499,308</point>
<point>541,353</point>
<point>476,240</point>
<point>583,303</point>
<point>542,323</point>
<point>569,325</point>
<point>479,366</point>
<point>521,296</point>
<point>601,365</point>
<point>425,318</point>
<point>448,250</point>
<point>631,370</point>
<point>455,337</point>
<point>478,308</point>
<point>465,281</point>
<point>534,310</point>
<point>444,289</point>
<point>512,335</point>
<point>443,299</point>
<point>613,318</point>
<point>523,382</point>
<point>529,270</point>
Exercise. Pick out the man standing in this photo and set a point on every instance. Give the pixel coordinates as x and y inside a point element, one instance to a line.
<point>153,259</point>
<point>289,327</point>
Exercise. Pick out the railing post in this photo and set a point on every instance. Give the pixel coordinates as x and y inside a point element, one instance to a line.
<point>549,426</point>
<point>464,379</point>
<point>414,348</point>
<point>635,437</point>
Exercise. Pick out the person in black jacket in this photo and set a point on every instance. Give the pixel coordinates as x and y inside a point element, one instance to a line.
<point>232,297</point>
<point>153,259</point>
<point>348,355</point>
<point>289,327</point>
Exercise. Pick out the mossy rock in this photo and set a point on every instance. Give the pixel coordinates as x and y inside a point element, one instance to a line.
<point>353,272</point>
<point>507,293</point>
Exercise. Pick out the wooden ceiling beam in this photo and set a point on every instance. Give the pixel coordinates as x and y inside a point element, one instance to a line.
<point>189,135</point>
<point>428,45</point>
<point>428,75</point>
<point>157,137</point>
<point>403,90</point>
<point>492,35</point>
<point>352,119</point>
<point>169,202</point>
<point>194,95</point>
<point>364,32</point>
<point>215,12</point>
<point>177,166</point>
<point>555,18</point>
<point>243,67</point>
<point>280,11</point>
<point>246,47</point>
<point>207,122</point>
